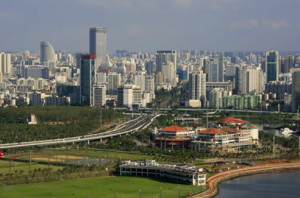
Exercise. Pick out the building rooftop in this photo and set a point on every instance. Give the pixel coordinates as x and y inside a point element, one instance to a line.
<point>232,120</point>
<point>212,131</point>
<point>173,128</point>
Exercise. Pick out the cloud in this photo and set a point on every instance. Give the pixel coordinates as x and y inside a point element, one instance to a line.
<point>259,23</point>
<point>275,24</point>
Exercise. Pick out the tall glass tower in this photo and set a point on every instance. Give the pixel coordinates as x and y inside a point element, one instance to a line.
<point>98,44</point>
<point>87,79</point>
<point>272,65</point>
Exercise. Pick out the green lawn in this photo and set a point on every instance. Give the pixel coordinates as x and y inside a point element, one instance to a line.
<point>102,187</point>
<point>7,167</point>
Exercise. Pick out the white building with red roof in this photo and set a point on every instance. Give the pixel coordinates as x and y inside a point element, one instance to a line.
<point>175,131</point>
<point>173,136</point>
<point>226,138</point>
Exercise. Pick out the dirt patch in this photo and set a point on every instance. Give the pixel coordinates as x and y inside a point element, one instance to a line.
<point>46,159</point>
<point>67,157</point>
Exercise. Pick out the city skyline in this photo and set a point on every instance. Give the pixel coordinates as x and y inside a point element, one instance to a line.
<point>151,25</point>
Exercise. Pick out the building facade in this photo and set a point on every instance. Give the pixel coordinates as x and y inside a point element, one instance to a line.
<point>272,65</point>
<point>98,45</point>
<point>87,78</point>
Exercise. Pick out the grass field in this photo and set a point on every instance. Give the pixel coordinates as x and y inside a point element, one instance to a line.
<point>108,154</point>
<point>103,187</point>
<point>7,166</point>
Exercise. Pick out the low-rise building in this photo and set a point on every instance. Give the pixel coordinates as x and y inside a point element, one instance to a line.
<point>176,173</point>
<point>173,136</point>
<point>232,134</point>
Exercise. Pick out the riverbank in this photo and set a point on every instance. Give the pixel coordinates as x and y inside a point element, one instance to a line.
<point>216,179</point>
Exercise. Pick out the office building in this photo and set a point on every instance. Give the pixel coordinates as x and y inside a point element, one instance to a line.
<point>5,64</point>
<point>162,57</point>
<point>197,86</point>
<point>47,53</point>
<point>296,91</point>
<point>98,45</point>
<point>129,95</point>
<point>36,72</point>
<point>99,99</point>
<point>150,67</point>
<point>287,63</point>
<point>140,80</point>
<point>113,82</point>
<point>227,86</point>
<point>272,65</point>
<point>87,78</point>
<point>169,73</point>
<point>216,69</point>
<point>250,80</point>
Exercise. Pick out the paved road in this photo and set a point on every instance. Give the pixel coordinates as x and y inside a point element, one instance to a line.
<point>128,127</point>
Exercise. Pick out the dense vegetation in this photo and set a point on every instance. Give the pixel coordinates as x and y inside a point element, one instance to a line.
<point>53,122</point>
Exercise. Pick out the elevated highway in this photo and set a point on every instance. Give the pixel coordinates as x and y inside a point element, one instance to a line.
<point>131,126</point>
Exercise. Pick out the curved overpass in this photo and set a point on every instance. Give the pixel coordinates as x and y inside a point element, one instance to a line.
<point>131,126</point>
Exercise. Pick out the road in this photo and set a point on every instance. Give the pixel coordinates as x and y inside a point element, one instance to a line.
<point>128,127</point>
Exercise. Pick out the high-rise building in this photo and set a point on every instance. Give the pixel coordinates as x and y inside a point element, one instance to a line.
<point>129,95</point>
<point>272,65</point>
<point>215,97</point>
<point>197,85</point>
<point>5,64</point>
<point>99,99</point>
<point>250,80</point>
<point>162,57</point>
<point>47,53</point>
<point>98,45</point>
<point>169,73</point>
<point>216,69</point>
<point>36,72</point>
<point>140,80</point>
<point>149,85</point>
<point>287,63</point>
<point>150,67</point>
<point>113,82</point>
<point>87,78</point>
<point>296,91</point>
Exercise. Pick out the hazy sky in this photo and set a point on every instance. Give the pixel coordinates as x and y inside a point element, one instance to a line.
<point>149,25</point>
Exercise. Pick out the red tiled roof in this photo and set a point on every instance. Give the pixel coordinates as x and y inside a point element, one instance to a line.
<point>212,131</point>
<point>173,129</point>
<point>230,120</point>
<point>231,130</point>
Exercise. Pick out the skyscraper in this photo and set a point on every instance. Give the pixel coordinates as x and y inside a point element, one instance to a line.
<point>197,85</point>
<point>272,65</point>
<point>47,53</point>
<point>87,78</point>
<point>5,64</point>
<point>99,98</point>
<point>216,69</point>
<point>113,82</point>
<point>98,45</point>
<point>296,91</point>
<point>250,80</point>
<point>162,57</point>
